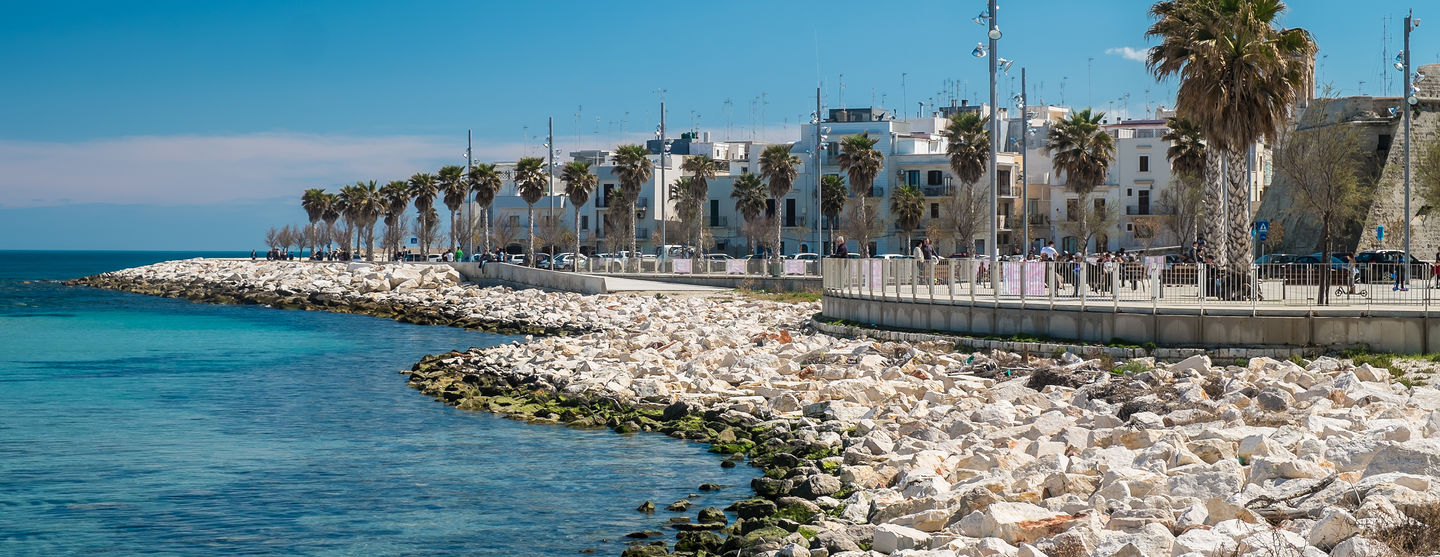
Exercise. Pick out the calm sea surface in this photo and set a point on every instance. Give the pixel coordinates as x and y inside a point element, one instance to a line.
<point>131,424</point>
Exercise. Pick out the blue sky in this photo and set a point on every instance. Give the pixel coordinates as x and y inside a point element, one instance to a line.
<point>124,123</point>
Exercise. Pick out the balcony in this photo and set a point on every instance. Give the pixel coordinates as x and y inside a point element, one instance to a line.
<point>936,191</point>
<point>1039,220</point>
<point>1006,191</point>
<point>1140,210</point>
<point>719,222</point>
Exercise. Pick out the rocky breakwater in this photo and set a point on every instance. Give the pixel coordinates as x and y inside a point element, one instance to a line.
<point>902,449</point>
<point>414,293</point>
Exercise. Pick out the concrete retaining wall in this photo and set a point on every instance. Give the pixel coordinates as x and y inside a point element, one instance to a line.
<point>526,277</point>
<point>773,284</point>
<point>1405,334</point>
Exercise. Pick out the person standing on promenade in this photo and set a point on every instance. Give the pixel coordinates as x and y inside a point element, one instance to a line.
<point>840,251</point>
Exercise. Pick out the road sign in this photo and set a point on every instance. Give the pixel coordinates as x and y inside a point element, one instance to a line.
<point>414,240</point>
<point>1380,234</point>
<point>1262,230</point>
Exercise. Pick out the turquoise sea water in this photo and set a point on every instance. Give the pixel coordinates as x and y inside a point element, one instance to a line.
<point>131,424</point>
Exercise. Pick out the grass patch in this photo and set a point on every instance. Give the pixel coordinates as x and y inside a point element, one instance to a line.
<point>780,296</point>
<point>1128,368</point>
<point>807,533</point>
<point>1363,355</point>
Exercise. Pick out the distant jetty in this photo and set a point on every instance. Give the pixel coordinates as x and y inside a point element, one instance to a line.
<point>894,446</point>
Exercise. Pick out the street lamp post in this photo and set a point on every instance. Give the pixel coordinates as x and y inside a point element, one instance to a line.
<point>819,181</point>
<point>660,190</point>
<point>1411,99</point>
<point>992,242</point>
<point>469,156</point>
<point>1024,163</point>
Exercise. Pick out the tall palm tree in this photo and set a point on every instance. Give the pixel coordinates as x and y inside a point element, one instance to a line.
<point>314,202</point>
<point>350,205</point>
<point>689,200</point>
<point>579,184</point>
<point>485,182</point>
<point>331,214</point>
<point>451,181</point>
<point>780,168</point>
<point>395,198</point>
<point>1187,147</point>
<point>530,181</point>
<point>832,198</point>
<point>1082,151</point>
<point>862,162</point>
<point>1239,75</point>
<point>968,146</point>
<point>749,195</point>
<point>907,205</point>
<point>701,168</point>
<point>424,189</point>
<point>633,167</point>
<point>368,207</point>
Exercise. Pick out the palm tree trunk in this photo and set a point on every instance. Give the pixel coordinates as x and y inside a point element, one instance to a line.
<point>779,220</point>
<point>1238,227</point>
<point>634,236</point>
<point>575,256</point>
<point>530,261</point>
<point>1213,226</point>
<point>452,229</point>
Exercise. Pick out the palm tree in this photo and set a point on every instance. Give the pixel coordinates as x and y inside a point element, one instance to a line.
<point>451,181</point>
<point>749,195</point>
<point>369,206</point>
<point>1082,152</point>
<point>351,203</point>
<point>907,205</point>
<point>860,160</point>
<point>701,168</point>
<point>331,214</point>
<point>314,201</point>
<point>688,208</point>
<point>779,168</point>
<point>633,167</point>
<point>395,198</point>
<point>423,189</point>
<point>1187,147</point>
<point>968,146</point>
<point>832,198</point>
<point>530,181</point>
<point>1239,75</point>
<point>579,184</point>
<point>485,182</point>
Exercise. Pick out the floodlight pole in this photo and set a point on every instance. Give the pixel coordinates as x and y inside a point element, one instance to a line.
<point>993,243</point>
<point>1406,106</point>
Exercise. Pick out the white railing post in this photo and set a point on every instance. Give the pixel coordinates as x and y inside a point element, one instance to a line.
<point>1200,283</point>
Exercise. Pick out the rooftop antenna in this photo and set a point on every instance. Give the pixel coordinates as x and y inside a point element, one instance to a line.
<point>842,90</point>
<point>764,104</point>
<point>578,110</point>
<point>904,98</point>
<point>1384,55</point>
<point>1062,90</point>
<point>1090,81</point>
<point>729,116</point>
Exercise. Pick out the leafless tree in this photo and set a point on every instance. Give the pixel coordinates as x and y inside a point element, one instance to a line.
<point>395,235</point>
<point>862,220</point>
<point>962,215</point>
<point>1324,164</point>
<point>272,237</point>
<point>1090,221</point>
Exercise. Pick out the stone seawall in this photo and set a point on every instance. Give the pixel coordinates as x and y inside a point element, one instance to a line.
<point>925,448</point>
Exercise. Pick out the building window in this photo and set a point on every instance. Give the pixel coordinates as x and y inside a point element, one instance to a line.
<point>584,222</point>
<point>912,177</point>
<point>789,212</point>
<point>1144,163</point>
<point>934,210</point>
<point>1072,210</point>
<point>714,212</point>
<point>934,178</point>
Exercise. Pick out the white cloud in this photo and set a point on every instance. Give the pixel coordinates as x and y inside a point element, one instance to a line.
<point>1128,53</point>
<point>184,170</point>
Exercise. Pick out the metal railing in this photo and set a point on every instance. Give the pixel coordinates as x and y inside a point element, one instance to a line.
<point>1149,285</point>
<point>753,267</point>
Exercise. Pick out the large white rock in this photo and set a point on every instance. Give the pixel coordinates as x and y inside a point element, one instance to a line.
<point>1361,547</point>
<point>1203,542</point>
<point>1013,522</point>
<point>1336,526</point>
<point>1193,364</point>
<point>1417,456</point>
<point>890,538</point>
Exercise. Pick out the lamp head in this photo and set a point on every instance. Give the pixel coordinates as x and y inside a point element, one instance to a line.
<point>1413,100</point>
<point>1414,23</point>
<point>995,33</point>
<point>1418,78</point>
<point>981,19</point>
<point>979,51</point>
<point>1005,64</point>
<point>1399,66</point>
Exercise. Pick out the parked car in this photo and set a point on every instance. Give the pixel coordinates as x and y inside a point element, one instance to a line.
<point>717,257</point>
<point>805,256</point>
<point>1381,265</point>
<point>433,258</point>
<point>893,256</point>
<point>566,262</point>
